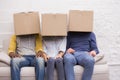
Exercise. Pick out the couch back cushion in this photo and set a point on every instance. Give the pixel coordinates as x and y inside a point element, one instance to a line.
<point>6,44</point>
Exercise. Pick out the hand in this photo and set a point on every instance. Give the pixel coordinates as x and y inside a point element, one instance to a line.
<point>40,54</point>
<point>13,55</point>
<point>70,50</point>
<point>47,57</point>
<point>92,53</point>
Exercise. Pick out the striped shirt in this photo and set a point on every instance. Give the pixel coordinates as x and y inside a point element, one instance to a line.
<point>26,44</point>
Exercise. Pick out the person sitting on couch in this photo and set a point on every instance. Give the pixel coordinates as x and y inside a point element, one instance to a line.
<point>81,50</point>
<point>54,47</point>
<point>26,50</point>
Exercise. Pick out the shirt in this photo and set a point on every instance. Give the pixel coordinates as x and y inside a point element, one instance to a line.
<point>25,44</point>
<point>82,41</point>
<point>53,44</point>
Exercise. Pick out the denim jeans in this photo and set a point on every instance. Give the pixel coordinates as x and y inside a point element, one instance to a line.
<point>17,63</point>
<point>78,58</point>
<point>51,64</point>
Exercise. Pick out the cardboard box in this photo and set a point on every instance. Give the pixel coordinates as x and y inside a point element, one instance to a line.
<point>54,24</point>
<point>81,21</point>
<point>26,23</point>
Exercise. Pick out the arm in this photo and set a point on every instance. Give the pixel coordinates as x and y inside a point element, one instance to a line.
<point>68,41</point>
<point>39,46</point>
<point>68,48</point>
<point>93,44</point>
<point>12,45</point>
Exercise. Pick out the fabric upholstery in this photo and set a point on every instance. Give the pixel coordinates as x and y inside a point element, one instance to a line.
<point>101,71</point>
<point>4,58</point>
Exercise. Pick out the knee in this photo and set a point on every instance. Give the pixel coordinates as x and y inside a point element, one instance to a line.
<point>15,62</point>
<point>40,60</point>
<point>90,61</point>
<point>68,58</point>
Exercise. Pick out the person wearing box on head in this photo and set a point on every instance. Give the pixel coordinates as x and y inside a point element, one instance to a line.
<point>81,45</point>
<point>25,48</point>
<point>54,31</point>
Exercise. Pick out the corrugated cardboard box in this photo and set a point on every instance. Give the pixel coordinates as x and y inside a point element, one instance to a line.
<point>81,21</point>
<point>26,23</point>
<point>54,24</point>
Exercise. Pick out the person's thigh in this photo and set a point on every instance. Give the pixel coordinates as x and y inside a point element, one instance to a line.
<point>69,58</point>
<point>39,61</point>
<point>51,63</point>
<point>22,61</point>
<point>84,58</point>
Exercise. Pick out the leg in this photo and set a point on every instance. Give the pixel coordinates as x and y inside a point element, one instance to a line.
<point>87,61</point>
<point>69,62</point>
<point>39,68</point>
<point>16,64</point>
<point>50,68</point>
<point>60,68</point>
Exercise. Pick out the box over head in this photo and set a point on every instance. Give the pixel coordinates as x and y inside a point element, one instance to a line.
<point>54,24</point>
<point>26,23</point>
<point>80,21</point>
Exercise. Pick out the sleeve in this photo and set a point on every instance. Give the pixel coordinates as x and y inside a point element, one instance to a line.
<point>12,45</point>
<point>68,41</point>
<point>93,43</point>
<point>63,45</point>
<point>39,46</point>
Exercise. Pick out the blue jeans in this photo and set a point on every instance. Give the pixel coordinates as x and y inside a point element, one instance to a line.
<point>51,64</point>
<point>17,63</point>
<point>81,58</point>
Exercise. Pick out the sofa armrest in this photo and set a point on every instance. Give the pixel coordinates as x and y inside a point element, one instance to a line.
<point>4,58</point>
<point>99,57</point>
<point>2,64</point>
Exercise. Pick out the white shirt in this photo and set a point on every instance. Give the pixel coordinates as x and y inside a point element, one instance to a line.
<point>53,44</point>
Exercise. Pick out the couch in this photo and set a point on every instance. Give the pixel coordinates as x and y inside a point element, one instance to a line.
<point>101,71</point>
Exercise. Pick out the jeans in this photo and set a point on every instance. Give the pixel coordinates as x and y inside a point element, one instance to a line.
<point>81,58</point>
<point>51,64</point>
<point>17,63</point>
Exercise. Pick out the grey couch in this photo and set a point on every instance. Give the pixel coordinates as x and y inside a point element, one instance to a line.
<point>101,71</point>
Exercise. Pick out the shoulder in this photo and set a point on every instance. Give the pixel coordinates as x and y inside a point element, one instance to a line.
<point>13,36</point>
<point>92,34</point>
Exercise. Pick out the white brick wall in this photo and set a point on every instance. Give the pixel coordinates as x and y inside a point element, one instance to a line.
<point>106,22</point>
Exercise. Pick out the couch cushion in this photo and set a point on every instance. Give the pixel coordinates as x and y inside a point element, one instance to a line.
<point>6,45</point>
<point>29,71</point>
<point>4,58</point>
<point>4,71</point>
<point>100,72</point>
<point>98,69</point>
